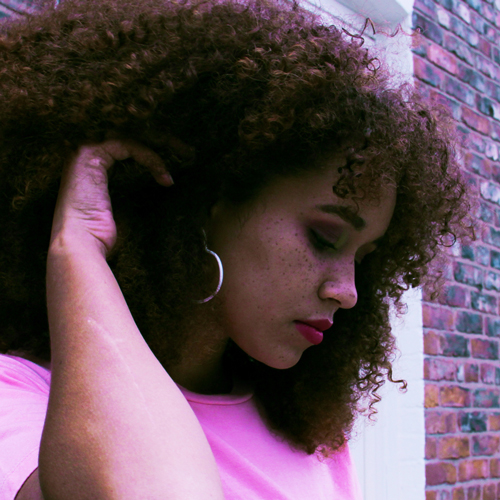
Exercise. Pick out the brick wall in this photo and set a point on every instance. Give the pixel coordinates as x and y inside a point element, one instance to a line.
<point>14,7</point>
<point>457,63</point>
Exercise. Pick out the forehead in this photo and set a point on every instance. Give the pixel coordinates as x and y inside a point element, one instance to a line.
<point>321,182</point>
<point>312,193</point>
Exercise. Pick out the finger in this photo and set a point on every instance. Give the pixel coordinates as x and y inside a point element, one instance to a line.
<point>180,148</point>
<point>162,138</point>
<point>122,149</point>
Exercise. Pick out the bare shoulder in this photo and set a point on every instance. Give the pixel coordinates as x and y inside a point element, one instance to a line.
<point>30,490</point>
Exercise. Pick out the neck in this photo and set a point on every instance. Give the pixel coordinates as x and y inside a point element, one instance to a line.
<point>202,368</point>
<point>208,376</point>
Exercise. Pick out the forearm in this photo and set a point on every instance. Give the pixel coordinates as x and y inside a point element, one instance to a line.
<point>117,425</point>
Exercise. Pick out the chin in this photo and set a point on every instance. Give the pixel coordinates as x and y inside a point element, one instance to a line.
<point>281,363</point>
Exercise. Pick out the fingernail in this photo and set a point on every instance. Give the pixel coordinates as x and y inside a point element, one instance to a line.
<point>166,179</point>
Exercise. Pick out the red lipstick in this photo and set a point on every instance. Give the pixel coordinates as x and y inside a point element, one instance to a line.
<point>312,330</point>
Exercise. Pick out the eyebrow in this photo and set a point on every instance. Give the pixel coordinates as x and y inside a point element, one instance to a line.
<point>346,213</point>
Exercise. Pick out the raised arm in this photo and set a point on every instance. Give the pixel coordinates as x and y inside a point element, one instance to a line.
<point>117,425</point>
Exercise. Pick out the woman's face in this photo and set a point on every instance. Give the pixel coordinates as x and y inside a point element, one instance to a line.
<point>289,261</point>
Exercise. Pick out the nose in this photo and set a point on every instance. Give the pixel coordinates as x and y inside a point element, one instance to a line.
<point>341,288</point>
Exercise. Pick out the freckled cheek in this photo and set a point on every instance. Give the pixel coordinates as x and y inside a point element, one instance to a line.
<point>262,267</point>
<point>293,268</point>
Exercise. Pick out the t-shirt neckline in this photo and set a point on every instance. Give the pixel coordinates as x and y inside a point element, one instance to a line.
<point>240,393</point>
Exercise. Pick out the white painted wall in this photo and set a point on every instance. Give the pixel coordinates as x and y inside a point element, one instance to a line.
<point>381,11</point>
<point>389,454</point>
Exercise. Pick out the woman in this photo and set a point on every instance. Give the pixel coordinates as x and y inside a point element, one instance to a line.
<point>192,353</point>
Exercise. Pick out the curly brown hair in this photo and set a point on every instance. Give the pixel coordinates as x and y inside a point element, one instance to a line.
<point>257,89</point>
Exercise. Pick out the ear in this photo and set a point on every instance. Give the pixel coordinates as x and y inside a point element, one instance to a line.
<point>216,209</point>
<point>214,219</point>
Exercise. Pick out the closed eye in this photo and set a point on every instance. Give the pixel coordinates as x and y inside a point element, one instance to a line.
<point>321,243</point>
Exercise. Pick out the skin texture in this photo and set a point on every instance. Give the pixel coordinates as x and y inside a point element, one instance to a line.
<point>142,440</point>
<point>31,488</point>
<point>276,272</point>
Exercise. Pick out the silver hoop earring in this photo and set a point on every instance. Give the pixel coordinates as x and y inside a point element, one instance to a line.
<point>221,273</point>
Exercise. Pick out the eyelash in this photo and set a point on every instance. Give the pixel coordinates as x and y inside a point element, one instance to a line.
<point>321,243</point>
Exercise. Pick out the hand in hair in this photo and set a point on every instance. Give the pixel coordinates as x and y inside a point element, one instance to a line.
<point>83,206</point>
<point>142,440</point>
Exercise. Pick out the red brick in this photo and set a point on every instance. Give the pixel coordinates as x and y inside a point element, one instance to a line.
<point>491,235</point>
<point>472,77</point>
<point>488,12</point>
<point>487,373</point>
<point>485,47</point>
<point>440,423</point>
<point>491,279</point>
<point>431,343</point>
<point>492,109</point>
<point>475,421</point>
<point>474,492</point>
<point>494,422</point>
<point>487,167</point>
<point>484,349</point>
<point>477,164</point>
<point>437,317</point>
<point>425,72</point>
<point>460,49</point>
<point>473,469</point>
<point>471,183</point>
<point>431,495</point>
<point>456,296</point>
<point>486,67</point>
<point>484,212</point>
<point>489,492</point>
<point>462,11</point>
<point>460,91</point>
<point>454,345</point>
<point>467,274</point>
<point>471,372</point>
<point>453,447</point>
<point>486,398</point>
<point>495,467</point>
<point>442,58</point>
<point>431,396</point>
<point>439,98</point>
<point>495,169</point>
<point>428,28</point>
<point>476,121</point>
<point>430,448</point>
<point>440,473</point>
<point>458,494</point>
<point>454,396</point>
<point>483,302</point>
<point>485,445</point>
<point>429,9</point>
<point>495,133</point>
<point>439,369</point>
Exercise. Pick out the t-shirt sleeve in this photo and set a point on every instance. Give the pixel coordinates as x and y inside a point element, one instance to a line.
<point>24,396</point>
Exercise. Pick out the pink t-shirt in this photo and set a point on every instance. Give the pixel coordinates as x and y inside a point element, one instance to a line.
<point>253,463</point>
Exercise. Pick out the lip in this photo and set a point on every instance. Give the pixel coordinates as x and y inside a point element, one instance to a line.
<point>318,324</point>
<point>312,330</point>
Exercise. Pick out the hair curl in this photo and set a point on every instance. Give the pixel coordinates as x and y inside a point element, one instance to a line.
<point>258,90</point>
